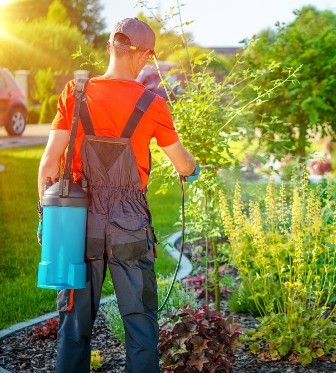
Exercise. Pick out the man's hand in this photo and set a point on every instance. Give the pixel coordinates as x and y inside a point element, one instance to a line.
<point>193,176</point>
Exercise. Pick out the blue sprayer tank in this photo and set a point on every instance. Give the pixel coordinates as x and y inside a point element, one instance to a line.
<point>62,263</point>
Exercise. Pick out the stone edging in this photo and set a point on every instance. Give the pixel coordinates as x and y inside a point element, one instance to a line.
<point>186,266</point>
<point>185,269</point>
<point>3,370</point>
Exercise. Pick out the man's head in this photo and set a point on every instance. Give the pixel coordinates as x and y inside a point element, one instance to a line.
<point>133,35</point>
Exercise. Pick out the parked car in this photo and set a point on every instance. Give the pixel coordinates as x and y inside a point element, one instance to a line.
<point>150,78</point>
<point>13,104</point>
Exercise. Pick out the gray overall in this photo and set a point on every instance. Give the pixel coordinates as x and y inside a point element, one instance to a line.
<point>119,235</point>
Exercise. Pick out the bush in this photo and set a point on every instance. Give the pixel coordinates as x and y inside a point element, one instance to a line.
<point>179,298</point>
<point>53,100</point>
<point>48,330</point>
<point>40,44</point>
<point>48,110</point>
<point>33,114</point>
<point>286,259</point>
<point>198,341</point>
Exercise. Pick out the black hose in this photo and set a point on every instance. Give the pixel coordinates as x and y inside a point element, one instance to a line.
<point>181,249</point>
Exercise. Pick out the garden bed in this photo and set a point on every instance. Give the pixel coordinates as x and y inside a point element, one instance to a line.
<point>20,353</point>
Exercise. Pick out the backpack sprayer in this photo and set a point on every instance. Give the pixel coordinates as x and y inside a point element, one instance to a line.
<point>65,206</point>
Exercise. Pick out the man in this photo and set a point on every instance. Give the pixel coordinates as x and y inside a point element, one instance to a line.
<point>117,182</point>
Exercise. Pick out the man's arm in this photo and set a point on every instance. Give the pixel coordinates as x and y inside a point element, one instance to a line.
<point>183,162</point>
<point>51,158</point>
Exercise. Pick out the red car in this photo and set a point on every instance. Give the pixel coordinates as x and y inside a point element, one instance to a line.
<point>13,104</point>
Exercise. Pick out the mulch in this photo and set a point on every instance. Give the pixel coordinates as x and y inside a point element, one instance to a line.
<point>21,353</point>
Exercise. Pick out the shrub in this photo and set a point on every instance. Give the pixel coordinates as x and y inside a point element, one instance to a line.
<point>46,331</point>
<point>240,301</point>
<point>198,341</point>
<point>96,360</point>
<point>179,298</point>
<point>48,109</point>
<point>114,320</point>
<point>33,114</point>
<point>286,259</point>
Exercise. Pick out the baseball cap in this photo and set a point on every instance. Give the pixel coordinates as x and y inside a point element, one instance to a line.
<point>142,37</point>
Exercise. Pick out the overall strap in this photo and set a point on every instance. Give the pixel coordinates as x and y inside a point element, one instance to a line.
<point>86,119</point>
<point>79,94</point>
<point>141,106</point>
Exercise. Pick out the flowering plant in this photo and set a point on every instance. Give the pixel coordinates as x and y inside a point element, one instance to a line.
<point>286,258</point>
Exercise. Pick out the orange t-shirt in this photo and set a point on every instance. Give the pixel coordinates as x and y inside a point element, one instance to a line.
<point>110,103</point>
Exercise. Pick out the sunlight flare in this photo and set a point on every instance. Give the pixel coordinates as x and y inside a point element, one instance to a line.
<point>5,2</point>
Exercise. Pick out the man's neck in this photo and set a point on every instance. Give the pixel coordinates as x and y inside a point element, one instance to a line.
<point>120,69</point>
<point>120,76</point>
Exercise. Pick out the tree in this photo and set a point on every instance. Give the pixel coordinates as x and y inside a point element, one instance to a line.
<point>86,15</point>
<point>307,44</point>
<point>40,44</point>
<point>57,13</point>
<point>167,40</point>
<point>25,10</point>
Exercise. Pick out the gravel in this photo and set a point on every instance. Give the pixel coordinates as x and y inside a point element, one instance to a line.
<point>21,353</point>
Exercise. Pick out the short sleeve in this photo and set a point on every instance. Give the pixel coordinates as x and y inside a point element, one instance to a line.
<point>65,106</point>
<point>164,131</point>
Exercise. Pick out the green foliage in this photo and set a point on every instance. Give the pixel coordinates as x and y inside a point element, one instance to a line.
<point>96,360</point>
<point>53,100</point>
<point>179,298</point>
<point>306,339</point>
<point>48,109</point>
<point>114,320</point>
<point>33,114</point>
<point>44,85</point>
<point>26,10</point>
<point>288,117</point>
<point>85,15</point>
<point>206,112</point>
<point>19,250</point>
<point>40,44</point>
<point>43,93</point>
<point>240,301</point>
<point>198,341</point>
<point>168,39</point>
<point>57,13</point>
<point>285,254</point>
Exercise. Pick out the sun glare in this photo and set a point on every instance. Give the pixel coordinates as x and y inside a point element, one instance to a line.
<point>4,2</point>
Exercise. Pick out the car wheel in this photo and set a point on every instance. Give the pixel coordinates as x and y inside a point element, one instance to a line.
<point>16,123</point>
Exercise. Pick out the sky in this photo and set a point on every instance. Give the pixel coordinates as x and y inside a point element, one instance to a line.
<point>220,23</point>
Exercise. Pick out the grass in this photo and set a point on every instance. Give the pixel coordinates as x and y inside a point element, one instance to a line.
<point>20,299</point>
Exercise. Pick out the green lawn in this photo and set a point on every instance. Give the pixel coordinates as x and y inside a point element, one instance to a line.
<point>20,299</point>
